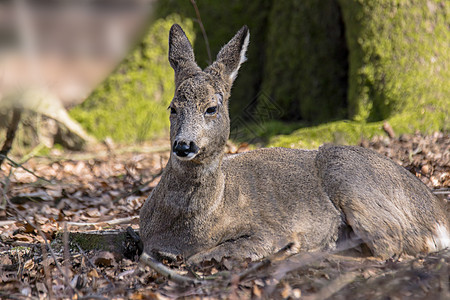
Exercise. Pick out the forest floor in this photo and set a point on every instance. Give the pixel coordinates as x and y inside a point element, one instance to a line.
<point>49,198</point>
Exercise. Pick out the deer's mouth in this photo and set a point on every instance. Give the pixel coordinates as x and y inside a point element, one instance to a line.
<point>187,157</point>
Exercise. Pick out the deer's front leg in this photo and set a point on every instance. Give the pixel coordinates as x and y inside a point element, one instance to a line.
<point>253,247</point>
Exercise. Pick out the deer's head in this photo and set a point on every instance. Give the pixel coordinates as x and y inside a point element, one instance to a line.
<point>199,120</point>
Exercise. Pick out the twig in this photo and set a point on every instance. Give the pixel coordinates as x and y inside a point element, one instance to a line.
<point>388,129</point>
<point>38,229</point>
<point>47,272</point>
<point>94,297</point>
<point>138,188</point>
<point>127,220</point>
<point>92,264</point>
<point>6,188</point>
<point>202,28</point>
<point>20,268</point>
<point>265,262</point>
<point>304,258</point>
<point>333,287</point>
<point>17,165</point>
<point>66,250</point>
<point>10,134</point>
<point>167,272</point>
<point>32,153</point>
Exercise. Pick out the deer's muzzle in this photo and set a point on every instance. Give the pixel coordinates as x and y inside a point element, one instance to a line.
<point>184,150</point>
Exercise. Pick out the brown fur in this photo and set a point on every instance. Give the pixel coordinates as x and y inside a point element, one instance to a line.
<point>251,204</point>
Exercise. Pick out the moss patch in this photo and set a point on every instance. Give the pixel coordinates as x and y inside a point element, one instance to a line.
<point>399,56</point>
<point>339,132</point>
<point>427,120</point>
<point>130,105</point>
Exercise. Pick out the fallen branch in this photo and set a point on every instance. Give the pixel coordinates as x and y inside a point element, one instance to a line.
<point>167,272</point>
<point>102,153</point>
<point>303,258</point>
<point>266,262</point>
<point>334,286</point>
<point>10,134</point>
<point>5,189</point>
<point>127,220</point>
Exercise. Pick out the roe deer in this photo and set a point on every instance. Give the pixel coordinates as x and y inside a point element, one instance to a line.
<point>209,205</point>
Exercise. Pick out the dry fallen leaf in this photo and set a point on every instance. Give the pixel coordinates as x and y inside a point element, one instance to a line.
<point>29,264</point>
<point>256,292</point>
<point>93,273</point>
<point>105,259</point>
<point>286,292</point>
<point>23,237</point>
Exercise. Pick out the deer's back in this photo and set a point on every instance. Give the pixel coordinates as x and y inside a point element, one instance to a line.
<point>315,195</point>
<point>278,190</point>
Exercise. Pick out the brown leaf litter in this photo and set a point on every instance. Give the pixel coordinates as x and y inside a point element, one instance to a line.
<point>83,192</point>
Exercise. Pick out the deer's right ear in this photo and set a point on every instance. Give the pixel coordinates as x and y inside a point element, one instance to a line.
<point>181,54</point>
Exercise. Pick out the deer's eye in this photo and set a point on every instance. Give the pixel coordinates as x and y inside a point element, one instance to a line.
<point>211,110</point>
<point>173,111</point>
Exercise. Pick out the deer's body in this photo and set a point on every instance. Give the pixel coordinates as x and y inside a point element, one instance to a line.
<point>247,201</point>
<point>208,205</point>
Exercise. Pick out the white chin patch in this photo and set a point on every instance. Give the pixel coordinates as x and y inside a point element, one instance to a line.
<point>185,158</point>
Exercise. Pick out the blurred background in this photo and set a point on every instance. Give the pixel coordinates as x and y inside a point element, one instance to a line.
<point>85,71</point>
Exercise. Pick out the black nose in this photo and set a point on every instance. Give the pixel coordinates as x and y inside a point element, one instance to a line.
<point>183,149</point>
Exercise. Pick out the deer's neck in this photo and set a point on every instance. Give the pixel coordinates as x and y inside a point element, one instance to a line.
<point>194,187</point>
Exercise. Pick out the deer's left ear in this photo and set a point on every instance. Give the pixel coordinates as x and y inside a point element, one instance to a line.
<point>232,55</point>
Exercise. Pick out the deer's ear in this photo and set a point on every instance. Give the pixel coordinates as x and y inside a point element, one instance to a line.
<point>180,49</point>
<point>232,55</point>
<point>181,54</point>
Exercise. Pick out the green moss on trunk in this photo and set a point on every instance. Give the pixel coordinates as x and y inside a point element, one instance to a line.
<point>351,132</point>
<point>399,71</point>
<point>399,56</point>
